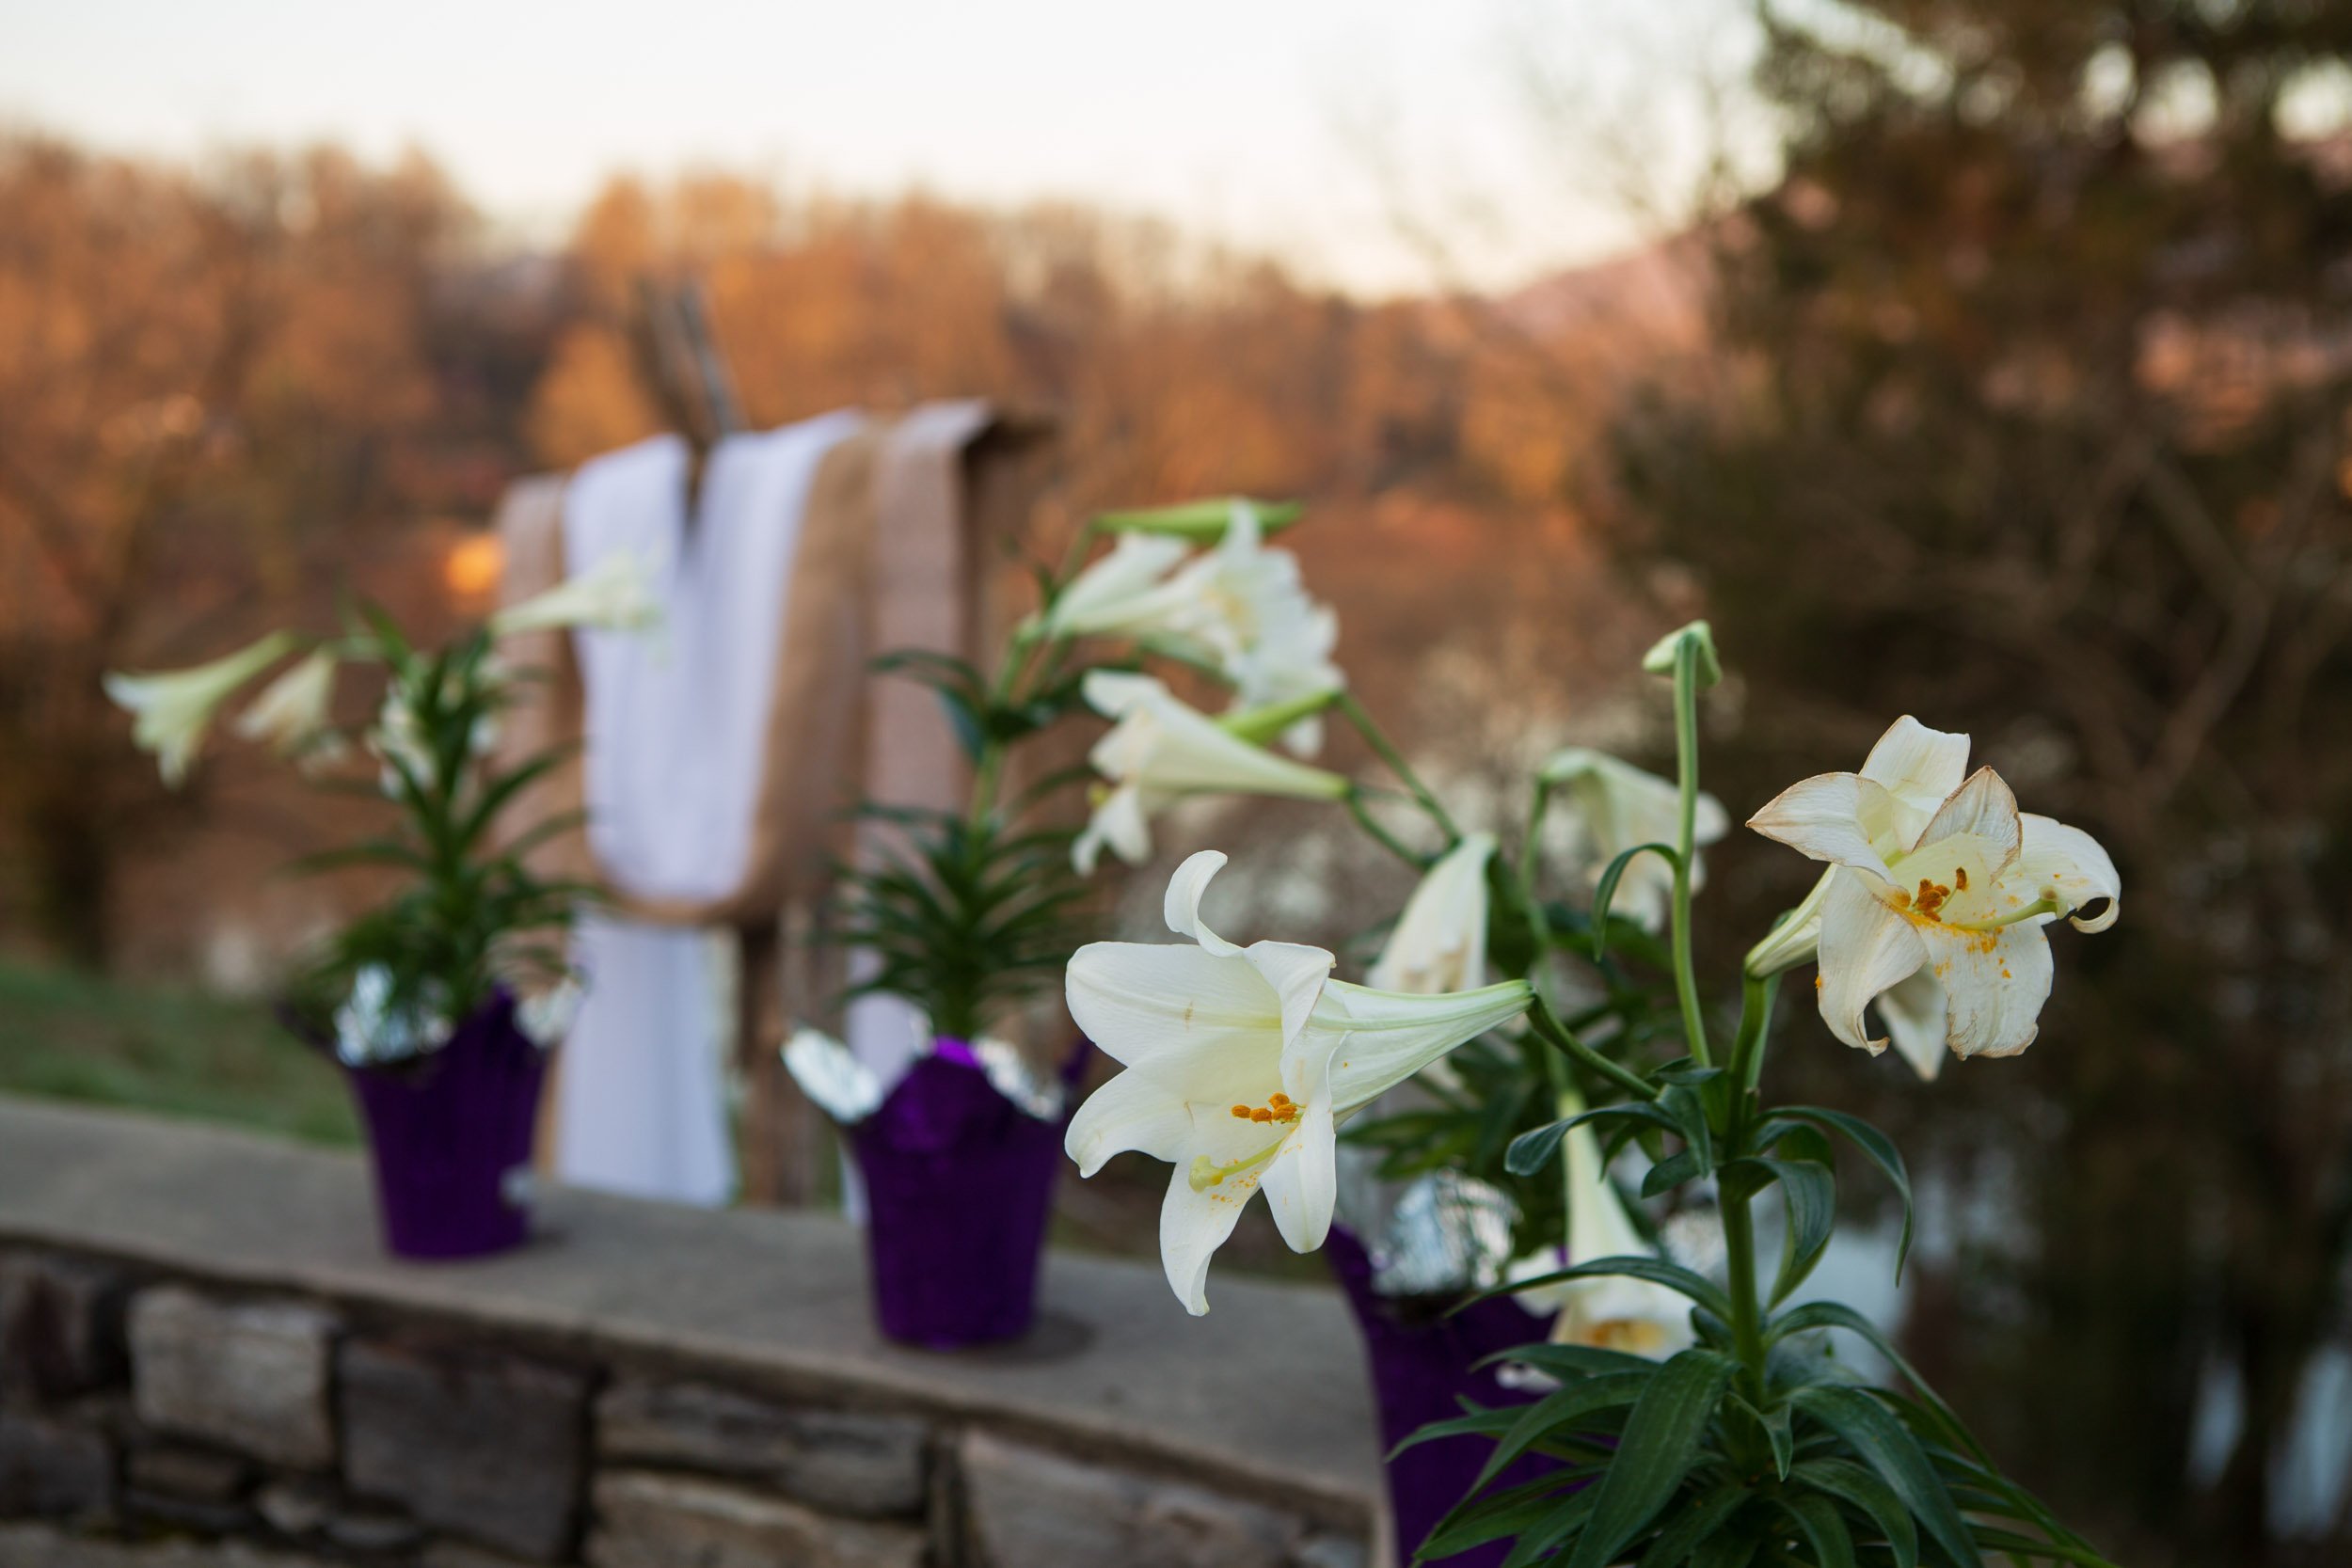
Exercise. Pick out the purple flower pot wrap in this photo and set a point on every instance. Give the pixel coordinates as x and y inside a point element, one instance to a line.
<point>451,1133</point>
<point>1420,1364</point>
<point>958,1186</point>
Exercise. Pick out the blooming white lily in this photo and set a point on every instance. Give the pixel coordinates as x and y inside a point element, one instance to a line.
<point>1163,749</point>
<point>615,594</point>
<point>1439,943</point>
<point>1958,890</point>
<point>174,708</point>
<point>1619,806</point>
<point>1607,1311</point>
<point>1248,606</point>
<point>1121,591</point>
<point>1918,769</point>
<point>1240,1063</point>
<point>291,713</point>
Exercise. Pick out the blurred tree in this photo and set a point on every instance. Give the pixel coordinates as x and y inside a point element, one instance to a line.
<point>2030,416</point>
<point>199,373</point>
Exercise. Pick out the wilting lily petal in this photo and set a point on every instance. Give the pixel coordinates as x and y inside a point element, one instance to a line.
<point>1620,806</point>
<point>1933,910</point>
<point>173,708</point>
<point>615,594</point>
<point>1439,943</point>
<point>1239,1065</point>
<point>1162,749</point>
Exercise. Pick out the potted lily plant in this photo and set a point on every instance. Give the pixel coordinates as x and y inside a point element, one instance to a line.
<point>441,1003</point>
<point>1684,1407</point>
<point>969,915</point>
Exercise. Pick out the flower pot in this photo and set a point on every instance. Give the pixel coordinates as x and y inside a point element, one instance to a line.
<point>1423,1363</point>
<point>450,1134</point>
<point>958,1188</point>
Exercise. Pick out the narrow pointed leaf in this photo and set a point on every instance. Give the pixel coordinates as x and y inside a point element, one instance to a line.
<point>1886,1445</point>
<point>1878,1149</point>
<point>1660,1443</point>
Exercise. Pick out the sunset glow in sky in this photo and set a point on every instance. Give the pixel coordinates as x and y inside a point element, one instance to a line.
<point>1300,127</point>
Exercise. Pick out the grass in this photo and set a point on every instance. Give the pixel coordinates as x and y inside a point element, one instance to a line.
<point>168,1049</point>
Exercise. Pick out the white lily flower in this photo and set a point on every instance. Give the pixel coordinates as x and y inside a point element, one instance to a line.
<point>1120,593</point>
<point>1240,1064</point>
<point>1439,943</point>
<point>1243,608</point>
<point>1958,891</point>
<point>1249,607</point>
<point>1918,768</point>
<point>830,1075</point>
<point>1162,749</point>
<point>1606,1311</point>
<point>1619,806</point>
<point>173,708</point>
<point>615,594</point>
<point>292,713</point>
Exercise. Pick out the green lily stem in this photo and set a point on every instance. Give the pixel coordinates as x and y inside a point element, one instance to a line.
<point>1687,774</point>
<point>1547,1024</point>
<point>1386,752</point>
<point>1747,1329</point>
<point>1371,824</point>
<point>1747,1047</point>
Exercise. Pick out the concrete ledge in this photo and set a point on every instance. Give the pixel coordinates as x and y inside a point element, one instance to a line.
<point>1263,1401</point>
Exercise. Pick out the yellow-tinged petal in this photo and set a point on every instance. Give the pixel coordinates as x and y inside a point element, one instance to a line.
<point>1866,948</point>
<point>2068,864</point>
<point>1995,984</point>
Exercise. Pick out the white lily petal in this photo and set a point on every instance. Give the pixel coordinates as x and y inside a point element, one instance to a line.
<point>1866,948</point>
<point>1439,943</point>
<point>1196,1216</point>
<point>2068,863</point>
<point>1390,1036</point>
<point>1995,984</point>
<point>292,712</point>
<point>1181,907</point>
<point>1302,1183</point>
<point>171,709</point>
<point>1114,694</point>
<point>1982,814</point>
<point>1620,807</point>
<point>1795,940</point>
<point>1296,973</point>
<point>1914,1012</point>
<point>1136,999</point>
<point>1132,1111</point>
<point>1919,767</point>
<point>1837,817</point>
<point>1113,594</point>
<point>614,594</point>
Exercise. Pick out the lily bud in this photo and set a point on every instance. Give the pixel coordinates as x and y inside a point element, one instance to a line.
<point>1659,660</point>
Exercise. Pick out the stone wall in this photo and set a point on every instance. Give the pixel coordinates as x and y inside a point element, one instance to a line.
<point>155,1415</point>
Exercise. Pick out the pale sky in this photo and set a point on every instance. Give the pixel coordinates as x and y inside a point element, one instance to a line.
<point>1281,125</point>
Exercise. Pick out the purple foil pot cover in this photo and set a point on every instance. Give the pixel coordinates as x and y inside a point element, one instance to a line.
<point>958,1190</point>
<point>1422,1364</point>
<point>451,1132</point>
